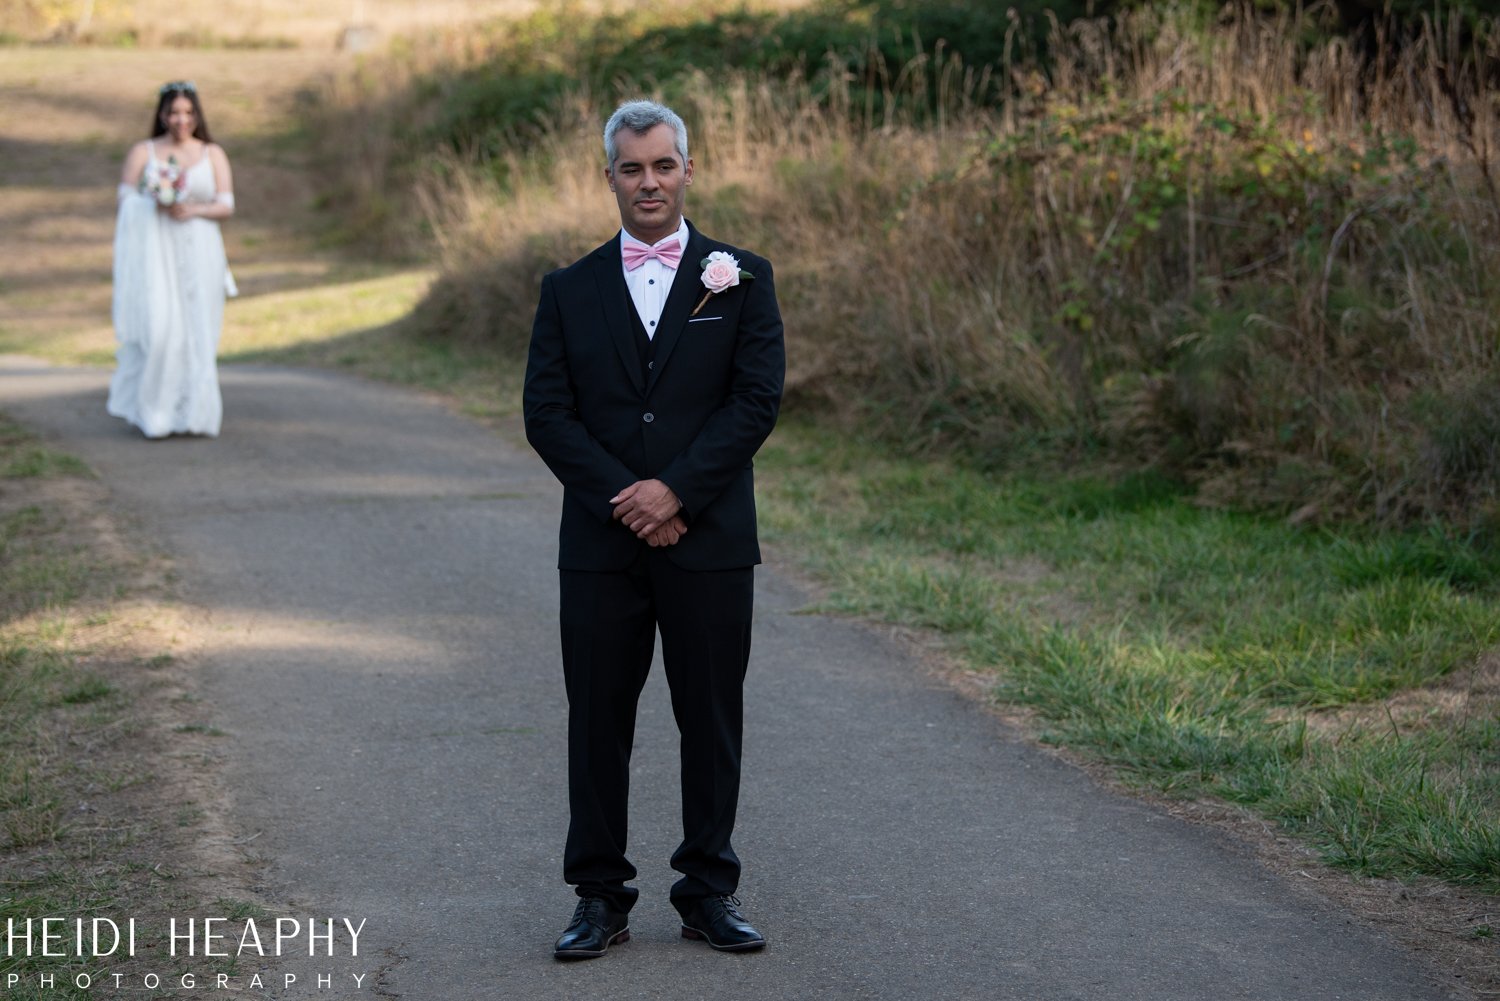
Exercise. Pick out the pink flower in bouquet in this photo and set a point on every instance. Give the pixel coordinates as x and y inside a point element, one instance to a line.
<point>166,184</point>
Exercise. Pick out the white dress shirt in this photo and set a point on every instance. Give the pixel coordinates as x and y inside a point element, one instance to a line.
<point>650,283</point>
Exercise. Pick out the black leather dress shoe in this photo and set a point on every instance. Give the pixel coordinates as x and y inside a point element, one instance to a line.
<point>718,921</point>
<point>595,927</point>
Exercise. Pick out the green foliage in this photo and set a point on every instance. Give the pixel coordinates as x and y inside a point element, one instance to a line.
<point>532,66</point>
<point>1465,432</point>
<point>1189,206</point>
<point>1364,14</point>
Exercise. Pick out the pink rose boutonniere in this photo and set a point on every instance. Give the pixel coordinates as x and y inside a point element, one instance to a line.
<point>720,271</point>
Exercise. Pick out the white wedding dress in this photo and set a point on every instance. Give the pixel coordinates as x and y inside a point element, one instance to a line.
<point>171,279</point>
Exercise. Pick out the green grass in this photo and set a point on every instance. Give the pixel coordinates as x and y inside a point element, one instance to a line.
<point>68,846</point>
<point>42,573</point>
<point>207,731</point>
<point>22,456</point>
<point>360,327</point>
<point>42,570</point>
<point>60,893</point>
<point>39,461</point>
<point>299,318</point>
<point>87,689</point>
<point>1201,653</point>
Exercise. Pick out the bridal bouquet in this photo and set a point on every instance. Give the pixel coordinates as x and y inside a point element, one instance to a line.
<point>166,183</point>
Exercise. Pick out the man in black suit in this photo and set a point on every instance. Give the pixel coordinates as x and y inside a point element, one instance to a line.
<point>654,375</point>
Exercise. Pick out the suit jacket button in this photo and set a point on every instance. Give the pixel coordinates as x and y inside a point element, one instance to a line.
<point>648,418</point>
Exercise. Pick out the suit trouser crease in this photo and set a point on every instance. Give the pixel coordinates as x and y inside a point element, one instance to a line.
<point>608,623</point>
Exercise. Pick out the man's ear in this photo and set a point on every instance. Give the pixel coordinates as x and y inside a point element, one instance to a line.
<point>609,175</point>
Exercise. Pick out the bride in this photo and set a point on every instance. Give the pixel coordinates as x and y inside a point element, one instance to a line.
<point>170,274</point>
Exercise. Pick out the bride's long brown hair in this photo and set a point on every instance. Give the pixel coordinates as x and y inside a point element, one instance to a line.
<point>171,92</point>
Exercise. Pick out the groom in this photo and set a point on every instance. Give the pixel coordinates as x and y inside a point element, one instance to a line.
<point>655,373</point>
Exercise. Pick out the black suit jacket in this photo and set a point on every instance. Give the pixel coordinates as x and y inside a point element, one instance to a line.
<point>694,423</point>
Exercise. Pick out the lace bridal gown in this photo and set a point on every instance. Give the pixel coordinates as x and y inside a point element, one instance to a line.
<point>171,279</point>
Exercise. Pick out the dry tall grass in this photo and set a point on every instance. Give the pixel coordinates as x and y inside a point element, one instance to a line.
<point>1262,264</point>
<point>244,23</point>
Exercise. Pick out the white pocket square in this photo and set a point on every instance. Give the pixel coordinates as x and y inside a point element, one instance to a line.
<point>704,319</point>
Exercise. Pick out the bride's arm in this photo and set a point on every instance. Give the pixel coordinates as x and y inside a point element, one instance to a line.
<point>133,170</point>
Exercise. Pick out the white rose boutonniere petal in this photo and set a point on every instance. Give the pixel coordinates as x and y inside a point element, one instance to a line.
<point>720,271</point>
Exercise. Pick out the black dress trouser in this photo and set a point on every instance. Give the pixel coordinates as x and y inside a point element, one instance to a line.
<point>609,623</point>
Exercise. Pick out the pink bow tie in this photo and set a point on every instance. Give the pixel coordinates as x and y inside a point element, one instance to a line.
<point>668,251</point>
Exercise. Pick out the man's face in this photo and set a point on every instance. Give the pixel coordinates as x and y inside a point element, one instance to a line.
<point>650,182</point>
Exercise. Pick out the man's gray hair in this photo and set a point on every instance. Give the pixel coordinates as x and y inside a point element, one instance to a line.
<point>641,117</point>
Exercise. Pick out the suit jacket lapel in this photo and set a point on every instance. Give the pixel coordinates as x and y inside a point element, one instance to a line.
<point>614,297</point>
<point>687,289</point>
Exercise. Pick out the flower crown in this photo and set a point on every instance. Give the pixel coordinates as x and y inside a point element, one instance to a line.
<point>184,86</point>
